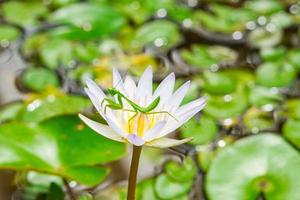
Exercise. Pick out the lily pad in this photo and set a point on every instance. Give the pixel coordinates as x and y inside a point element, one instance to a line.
<point>165,188</point>
<point>10,111</point>
<point>41,109</point>
<point>256,119</point>
<point>159,34</point>
<point>8,33</point>
<point>264,7</point>
<point>202,131</point>
<point>293,57</point>
<point>227,106</point>
<point>273,54</point>
<point>218,83</point>
<point>181,173</point>
<point>275,74</point>
<point>262,38</point>
<point>291,131</point>
<point>24,13</point>
<point>204,56</point>
<point>263,163</point>
<point>58,146</point>
<point>260,96</point>
<point>223,18</point>
<point>56,51</point>
<point>292,108</point>
<point>38,79</point>
<point>86,21</point>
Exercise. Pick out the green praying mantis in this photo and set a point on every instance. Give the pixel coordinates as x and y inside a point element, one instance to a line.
<point>118,104</point>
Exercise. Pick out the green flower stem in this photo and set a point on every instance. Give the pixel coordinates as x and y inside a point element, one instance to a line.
<point>136,153</point>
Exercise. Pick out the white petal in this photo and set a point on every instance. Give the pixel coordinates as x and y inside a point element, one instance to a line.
<point>183,119</point>
<point>96,101</point>
<point>167,142</point>
<point>154,131</point>
<point>190,106</point>
<point>144,89</point>
<point>173,125</point>
<point>130,87</point>
<point>95,89</point>
<point>115,127</point>
<point>165,88</point>
<point>117,81</point>
<point>135,140</point>
<point>101,129</point>
<point>176,99</point>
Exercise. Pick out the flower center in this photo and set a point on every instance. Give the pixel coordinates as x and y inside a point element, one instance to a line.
<point>139,124</point>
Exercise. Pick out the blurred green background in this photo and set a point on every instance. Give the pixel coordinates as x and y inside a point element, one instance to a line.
<point>244,55</point>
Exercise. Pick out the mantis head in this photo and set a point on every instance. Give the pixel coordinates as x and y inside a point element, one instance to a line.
<point>113,91</point>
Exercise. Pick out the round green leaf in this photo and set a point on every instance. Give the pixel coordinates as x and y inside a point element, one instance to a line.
<point>181,173</point>
<point>255,120</point>
<point>292,108</point>
<point>275,74</point>
<point>264,7</point>
<point>293,58</point>
<point>10,111</point>
<point>24,13</point>
<point>291,131</point>
<point>166,188</point>
<point>41,109</point>
<point>227,106</point>
<point>202,131</point>
<point>86,21</point>
<point>62,146</point>
<point>260,96</point>
<point>160,33</point>
<point>262,38</point>
<point>8,33</point>
<point>218,83</point>
<point>205,56</point>
<point>262,163</point>
<point>39,79</point>
<point>56,51</point>
<point>272,54</point>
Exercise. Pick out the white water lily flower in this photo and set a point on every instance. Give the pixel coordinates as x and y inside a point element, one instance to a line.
<point>144,129</point>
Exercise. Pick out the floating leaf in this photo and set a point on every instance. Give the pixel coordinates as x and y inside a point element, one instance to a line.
<point>260,96</point>
<point>263,38</point>
<point>160,33</point>
<point>204,56</point>
<point>165,188</point>
<point>262,163</point>
<point>264,7</point>
<point>86,21</point>
<point>57,146</point>
<point>272,54</point>
<point>39,79</point>
<point>55,52</point>
<point>24,13</point>
<point>41,109</point>
<point>292,108</point>
<point>223,18</point>
<point>218,83</point>
<point>181,173</point>
<point>202,131</point>
<point>8,33</point>
<point>275,74</point>
<point>10,111</point>
<point>293,57</point>
<point>255,120</point>
<point>291,131</point>
<point>227,106</point>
